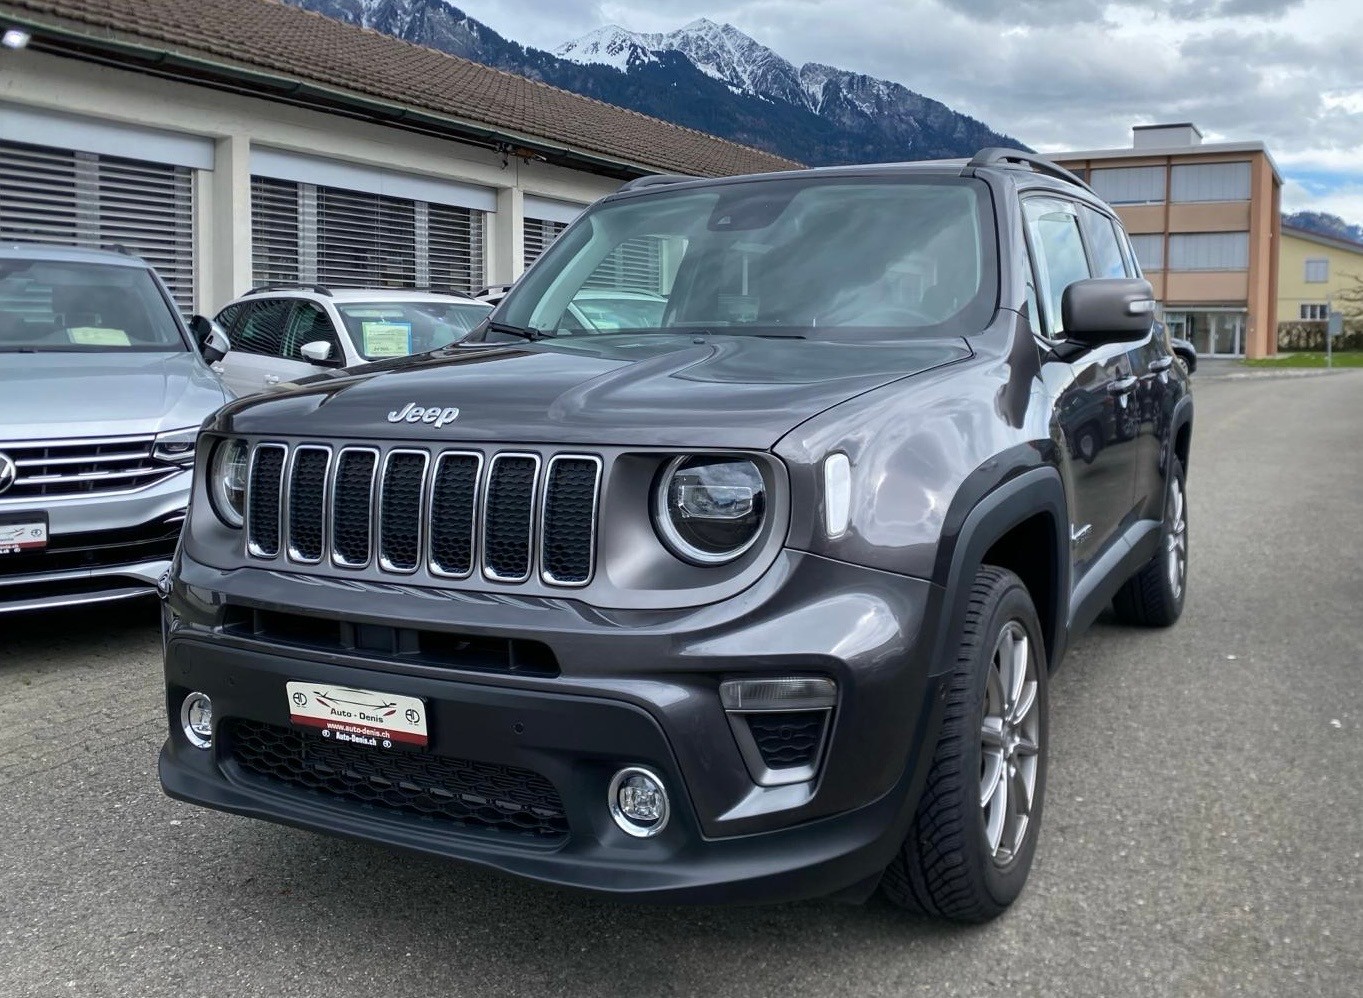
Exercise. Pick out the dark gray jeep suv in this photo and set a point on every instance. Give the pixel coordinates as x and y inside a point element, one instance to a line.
<point>755,603</point>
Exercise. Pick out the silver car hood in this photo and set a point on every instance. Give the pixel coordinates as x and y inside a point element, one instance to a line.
<point>56,395</point>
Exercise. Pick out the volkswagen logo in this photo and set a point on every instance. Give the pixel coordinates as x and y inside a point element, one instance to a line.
<point>8,472</point>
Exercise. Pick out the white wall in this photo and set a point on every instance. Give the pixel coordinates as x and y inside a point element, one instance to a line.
<point>236,122</point>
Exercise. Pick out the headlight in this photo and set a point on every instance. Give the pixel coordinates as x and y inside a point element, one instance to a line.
<point>709,510</point>
<point>227,481</point>
<point>176,447</point>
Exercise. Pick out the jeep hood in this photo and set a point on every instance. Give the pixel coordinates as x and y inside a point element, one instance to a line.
<point>47,395</point>
<point>640,390</point>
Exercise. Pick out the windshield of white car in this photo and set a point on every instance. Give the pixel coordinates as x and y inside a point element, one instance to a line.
<point>813,256</point>
<point>57,306</point>
<point>381,329</point>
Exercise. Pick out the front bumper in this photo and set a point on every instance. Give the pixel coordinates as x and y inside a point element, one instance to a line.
<point>101,547</point>
<point>634,688</point>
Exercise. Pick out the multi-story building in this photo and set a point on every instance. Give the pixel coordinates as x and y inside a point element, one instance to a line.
<point>1204,220</point>
<point>1313,270</point>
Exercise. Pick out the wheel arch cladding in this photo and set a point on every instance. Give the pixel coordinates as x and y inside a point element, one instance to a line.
<point>1019,525</point>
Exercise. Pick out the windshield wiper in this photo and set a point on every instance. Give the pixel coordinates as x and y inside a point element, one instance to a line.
<point>524,332</point>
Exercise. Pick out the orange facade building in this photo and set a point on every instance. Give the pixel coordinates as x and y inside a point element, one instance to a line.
<point>1204,219</point>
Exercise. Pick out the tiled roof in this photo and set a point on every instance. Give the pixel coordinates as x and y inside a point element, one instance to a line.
<point>275,39</point>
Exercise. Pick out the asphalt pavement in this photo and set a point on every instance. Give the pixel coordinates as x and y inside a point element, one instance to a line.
<point>1203,830</point>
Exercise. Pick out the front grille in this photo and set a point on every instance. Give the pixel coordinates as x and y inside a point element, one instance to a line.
<point>786,739</point>
<point>88,466</point>
<point>475,795</point>
<point>447,512</point>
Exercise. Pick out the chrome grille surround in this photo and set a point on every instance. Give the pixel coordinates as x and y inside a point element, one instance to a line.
<point>83,466</point>
<point>363,478</point>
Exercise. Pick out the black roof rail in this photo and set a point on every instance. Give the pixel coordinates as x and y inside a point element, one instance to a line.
<point>997,155</point>
<point>320,289</point>
<point>655,180</point>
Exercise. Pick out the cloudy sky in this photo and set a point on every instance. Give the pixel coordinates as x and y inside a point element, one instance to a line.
<point>1064,74</point>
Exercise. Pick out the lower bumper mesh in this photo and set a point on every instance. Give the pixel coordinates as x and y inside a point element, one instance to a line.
<point>471,794</point>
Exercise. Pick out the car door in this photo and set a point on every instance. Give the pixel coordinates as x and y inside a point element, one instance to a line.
<point>1152,362</point>
<point>1097,425</point>
<point>308,323</point>
<point>257,342</point>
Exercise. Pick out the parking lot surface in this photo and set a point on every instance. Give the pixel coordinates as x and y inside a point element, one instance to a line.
<point>1203,830</point>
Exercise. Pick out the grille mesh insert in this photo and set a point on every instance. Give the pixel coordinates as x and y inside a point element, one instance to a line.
<point>400,510</point>
<point>453,497</point>
<point>570,519</point>
<point>481,795</point>
<point>263,499</point>
<point>352,506</point>
<point>787,738</point>
<point>508,517</point>
<point>307,495</point>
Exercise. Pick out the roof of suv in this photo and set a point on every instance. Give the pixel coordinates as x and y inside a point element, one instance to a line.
<point>343,295</point>
<point>68,254</point>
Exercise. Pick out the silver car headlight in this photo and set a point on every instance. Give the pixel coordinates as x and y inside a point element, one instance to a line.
<point>176,446</point>
<point>227,481</point>
<point>710,510</point>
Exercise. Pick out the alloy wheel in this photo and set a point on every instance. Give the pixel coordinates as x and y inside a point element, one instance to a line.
<point>1176,540</point>
<point>1009,743</point>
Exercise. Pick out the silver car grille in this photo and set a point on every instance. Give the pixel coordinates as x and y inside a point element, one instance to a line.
<point>83,466</point>
<point>451,513</point>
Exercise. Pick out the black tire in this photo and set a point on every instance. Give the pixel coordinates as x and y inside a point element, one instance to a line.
<point>945,867</point>
<point>1151,598</point>
<point>1088,442</point>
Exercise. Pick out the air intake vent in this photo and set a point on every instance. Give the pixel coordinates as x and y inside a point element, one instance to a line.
<point>510,515</point>
<point>307,501</point>
<point>352,507</point>
<point>404,476</point>
<point>570,520</point>
<point>262,500</point>
<point>454,494</point>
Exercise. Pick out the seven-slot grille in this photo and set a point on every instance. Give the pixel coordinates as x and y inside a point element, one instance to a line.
<point>508,515</point>
<point>93,465</point>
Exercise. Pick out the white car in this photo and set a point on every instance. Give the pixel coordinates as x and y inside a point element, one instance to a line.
<point>278,335</point>
<point>599,309</point>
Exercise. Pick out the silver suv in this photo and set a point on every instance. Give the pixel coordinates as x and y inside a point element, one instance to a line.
<point>281,334</point>
<point>102,391</point>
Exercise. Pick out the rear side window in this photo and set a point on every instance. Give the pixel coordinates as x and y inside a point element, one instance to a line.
<point>1053,227</point>
<point>1103,245</point>
<point>262,328</point>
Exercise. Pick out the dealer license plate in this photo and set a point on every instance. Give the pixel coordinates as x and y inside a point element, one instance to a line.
<point>359,717</point>
<point>23,534</point>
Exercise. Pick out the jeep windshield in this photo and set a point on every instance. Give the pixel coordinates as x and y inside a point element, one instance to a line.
<point>794,257</point>
<point>48,306</point>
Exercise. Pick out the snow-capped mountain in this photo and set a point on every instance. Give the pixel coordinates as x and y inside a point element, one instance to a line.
<point>705,75</point>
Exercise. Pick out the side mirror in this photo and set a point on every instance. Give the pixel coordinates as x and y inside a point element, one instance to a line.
<point>211,337</point>
<point>1107,310</point>
<point>316,352</point>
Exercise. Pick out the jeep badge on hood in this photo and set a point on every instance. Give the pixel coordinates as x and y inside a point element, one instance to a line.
<point>413,413</point>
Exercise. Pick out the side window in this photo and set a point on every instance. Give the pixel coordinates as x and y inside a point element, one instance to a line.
<point>309,324</point>
<point>229,315</point>
<point>1053,226</point>
<point>1033,304</point>
<point>262,327</point>
<point>1107,252</point>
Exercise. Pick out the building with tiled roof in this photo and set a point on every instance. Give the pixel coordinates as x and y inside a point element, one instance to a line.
<point>238,142</point>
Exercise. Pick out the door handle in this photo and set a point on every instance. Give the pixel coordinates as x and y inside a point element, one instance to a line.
<point>272,379</point>
<point>1123,386</point>
<point>1161,365</point>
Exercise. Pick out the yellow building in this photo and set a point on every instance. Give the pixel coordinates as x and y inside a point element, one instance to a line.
<point>1312,270</point>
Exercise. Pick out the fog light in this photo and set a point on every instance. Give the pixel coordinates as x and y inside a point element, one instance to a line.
<point>196,720</point>
<point>638,802</point>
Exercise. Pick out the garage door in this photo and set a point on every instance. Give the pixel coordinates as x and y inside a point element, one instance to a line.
<point>94,200</point>
<point>305,233</point>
